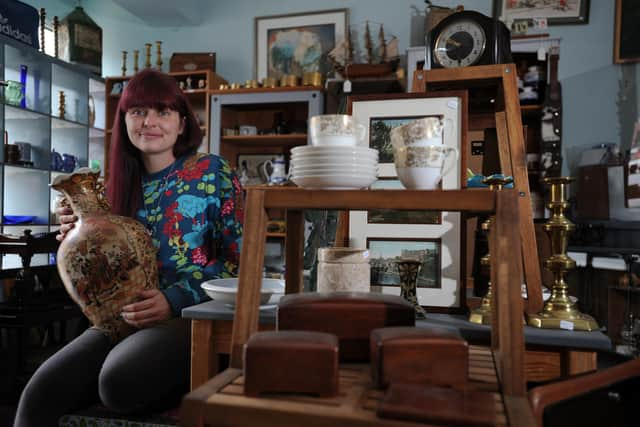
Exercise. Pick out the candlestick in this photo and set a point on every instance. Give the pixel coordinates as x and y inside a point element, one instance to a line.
<point>56,25</point>
<point>159,55</point>
<point>43,14</point>
<point>135,61</point>
<point>147,59</point>
<point>124,63</point>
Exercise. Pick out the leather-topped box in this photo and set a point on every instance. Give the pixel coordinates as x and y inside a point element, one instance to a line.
<point>351,316</point>
<point>420,356</point>
<point>291,362</point>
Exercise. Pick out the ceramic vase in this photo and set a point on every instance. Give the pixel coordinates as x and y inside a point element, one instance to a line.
<point>408,270</point>
<point>105,260</point>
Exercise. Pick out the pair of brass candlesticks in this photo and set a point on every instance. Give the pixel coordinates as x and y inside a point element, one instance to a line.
<point>559,312</point>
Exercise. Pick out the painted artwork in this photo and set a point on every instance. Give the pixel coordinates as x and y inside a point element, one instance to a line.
<point>390,216</point>
<point>383,252</point>
<point>556,12</point>
<point>299,50</point>
<point>380,134</point>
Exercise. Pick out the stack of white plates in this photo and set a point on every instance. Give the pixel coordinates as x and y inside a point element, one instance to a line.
<point>333,167</point>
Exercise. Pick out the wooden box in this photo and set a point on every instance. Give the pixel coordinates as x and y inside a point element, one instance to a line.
<point>291,362</point>
<point>418,355</point>
<point>190,61</point>
<point>351,316</point>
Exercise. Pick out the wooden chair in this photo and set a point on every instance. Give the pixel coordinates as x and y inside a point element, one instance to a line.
<point>607,397</point>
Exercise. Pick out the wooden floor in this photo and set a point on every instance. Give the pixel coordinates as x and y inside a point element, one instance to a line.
<point>355,405</point>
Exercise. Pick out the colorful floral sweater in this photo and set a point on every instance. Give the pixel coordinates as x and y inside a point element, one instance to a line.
<point>194,210</point>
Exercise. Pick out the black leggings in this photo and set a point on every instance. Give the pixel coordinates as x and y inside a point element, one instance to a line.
<point>146,371</point>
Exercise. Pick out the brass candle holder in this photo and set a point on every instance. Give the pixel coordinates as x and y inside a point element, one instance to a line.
<point>147,55</point>
<point>124,63</point>
<point>135,60</point>
<point>56,26</point>
<point>43,16</point>
<point>61,105</point>
<point>559,312</point>
<point>159,55</point>
<point>482,314</point>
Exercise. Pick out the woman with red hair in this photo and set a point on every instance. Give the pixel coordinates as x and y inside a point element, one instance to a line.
<point>191,203</point>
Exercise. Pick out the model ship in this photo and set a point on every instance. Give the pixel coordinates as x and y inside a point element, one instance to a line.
<point>376,59</point>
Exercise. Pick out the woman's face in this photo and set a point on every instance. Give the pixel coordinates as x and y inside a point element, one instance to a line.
<point>153,132</point>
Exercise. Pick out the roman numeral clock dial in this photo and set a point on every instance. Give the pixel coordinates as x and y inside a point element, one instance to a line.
<point>469,38</point>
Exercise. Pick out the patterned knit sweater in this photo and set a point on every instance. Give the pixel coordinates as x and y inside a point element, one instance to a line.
<point>194,210</point>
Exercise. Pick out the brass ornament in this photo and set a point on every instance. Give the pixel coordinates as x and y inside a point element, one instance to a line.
<point>56,26</point>
<point>159,55</point>
<point>147,55</point>
<point>43,15</point>
<point>124,63</point>
<point>559,312</point>
<point>135,60</point>
<point>61,105</point>
<point>482,314</point>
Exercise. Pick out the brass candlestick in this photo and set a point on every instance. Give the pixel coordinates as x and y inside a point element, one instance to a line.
<point>43,15</point>
<point>56,25</point>
<point>559,312</point>
<point>159,55</point>
<point>61,105</point>
<point>135,60</point>
<point>124,63</point>
<point>147,55</point>
<point>482,314</point>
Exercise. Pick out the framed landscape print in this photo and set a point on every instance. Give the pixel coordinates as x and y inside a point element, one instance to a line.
<point>297,43</point>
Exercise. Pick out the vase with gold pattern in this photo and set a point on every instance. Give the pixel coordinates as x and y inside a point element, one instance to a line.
<point>105,260</point>
<point>408,270</point>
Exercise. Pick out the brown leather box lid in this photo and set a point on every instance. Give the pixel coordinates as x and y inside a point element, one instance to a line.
<point>291,362</point>
<point>438,405</point>
<point>351,316</point>
<point>418,355</point>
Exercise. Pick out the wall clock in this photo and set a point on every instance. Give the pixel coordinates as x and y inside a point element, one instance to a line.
<point>468,38</point>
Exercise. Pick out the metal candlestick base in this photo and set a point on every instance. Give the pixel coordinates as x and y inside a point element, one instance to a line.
<point>559,312</point>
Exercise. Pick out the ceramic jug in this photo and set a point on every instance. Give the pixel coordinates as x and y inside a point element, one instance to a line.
<point>105,260</point>
<point>278,174</point>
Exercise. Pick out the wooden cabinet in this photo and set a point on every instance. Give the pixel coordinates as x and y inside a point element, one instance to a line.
<point>55,122</point>
<point>261,121</point>
<point>196,85</point>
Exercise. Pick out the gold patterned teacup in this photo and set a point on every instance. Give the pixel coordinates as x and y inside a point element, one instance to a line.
<point>418,133</point>
<point>422,168</point>
<point>335,129</point>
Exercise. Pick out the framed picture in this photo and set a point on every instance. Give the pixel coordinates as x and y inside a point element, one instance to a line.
<point>390,216</point>
<point>627,32</point>
<point>440,232</point>
<point>384,252</point>
<point>250,170</point>
<point>556,12</point>
<point>297,43</point>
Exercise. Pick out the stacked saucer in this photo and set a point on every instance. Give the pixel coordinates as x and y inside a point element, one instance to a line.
<point>334,160</point>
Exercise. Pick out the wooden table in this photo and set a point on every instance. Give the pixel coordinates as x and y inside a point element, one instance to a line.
<point>208,405</point>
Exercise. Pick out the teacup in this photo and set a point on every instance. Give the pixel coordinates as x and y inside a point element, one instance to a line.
<point>335,129</point>
<point>422,168</point>
<point>418,133</point>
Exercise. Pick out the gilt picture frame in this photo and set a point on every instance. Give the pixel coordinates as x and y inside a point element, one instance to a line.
<point>298,42</point>
<point>556,12</point>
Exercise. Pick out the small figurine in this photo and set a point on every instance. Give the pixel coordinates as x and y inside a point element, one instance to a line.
<point>181,85</point>
<point>189,83</point>
<point>201,84</point>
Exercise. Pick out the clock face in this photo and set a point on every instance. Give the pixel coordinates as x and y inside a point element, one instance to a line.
<point>460,44</point>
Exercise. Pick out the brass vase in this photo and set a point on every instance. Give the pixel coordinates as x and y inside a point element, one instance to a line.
<point>106,259</point>
<point>408,269</point>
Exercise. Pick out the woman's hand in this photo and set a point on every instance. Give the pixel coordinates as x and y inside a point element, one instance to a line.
<point>153,308</point>
<point>66,217</point>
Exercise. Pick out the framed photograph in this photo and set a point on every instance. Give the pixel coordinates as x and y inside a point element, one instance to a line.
<point>440,231</point>
<point>384,252</point>
<point>297,43</point>
<point>556,12</point>
<point>250,171</point>
<point>390,216</point>
<point>627,32</point>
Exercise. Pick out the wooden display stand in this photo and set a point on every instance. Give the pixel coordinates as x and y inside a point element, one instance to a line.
<point>220,400</point>
<point>494,103</point>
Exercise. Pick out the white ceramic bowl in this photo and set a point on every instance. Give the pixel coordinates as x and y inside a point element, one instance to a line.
<point>225,290</point>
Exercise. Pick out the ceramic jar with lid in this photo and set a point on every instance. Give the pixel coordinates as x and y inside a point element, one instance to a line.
<point>343,269</point>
